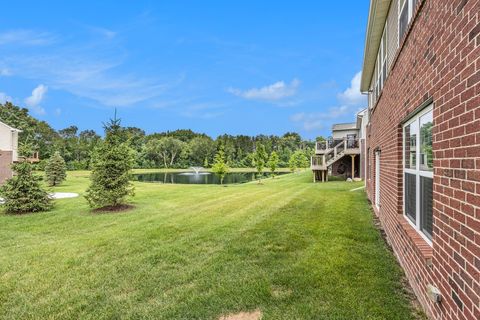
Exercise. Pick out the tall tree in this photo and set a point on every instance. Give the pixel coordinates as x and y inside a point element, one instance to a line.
<point>201,150</point>
<point>112,165</point>
<point>165,149</point>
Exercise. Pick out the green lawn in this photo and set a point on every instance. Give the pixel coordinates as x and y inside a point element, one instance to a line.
<point>291,248</point>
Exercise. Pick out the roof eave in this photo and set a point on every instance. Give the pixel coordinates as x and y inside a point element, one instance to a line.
<point>377,17</point>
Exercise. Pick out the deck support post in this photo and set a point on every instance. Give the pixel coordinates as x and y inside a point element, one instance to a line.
<point>353,166</point>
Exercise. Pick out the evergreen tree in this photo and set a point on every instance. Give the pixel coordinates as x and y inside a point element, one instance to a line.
<point>55,170</point>
<point>23,192</point>
<point>273,162</point>
<point>112,164</point>
<point>220,166</point>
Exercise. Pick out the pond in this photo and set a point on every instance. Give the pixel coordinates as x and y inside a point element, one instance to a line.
<point>199,178</point>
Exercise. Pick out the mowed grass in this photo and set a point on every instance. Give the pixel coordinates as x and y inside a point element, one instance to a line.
<point>290,248</point>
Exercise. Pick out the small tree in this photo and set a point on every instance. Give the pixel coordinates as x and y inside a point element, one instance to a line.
<point>111,168</point>
<point>260,158</point>
<point>23,192</point>
<point>298,160</point>
<point>273,162</point>
<point>55,170</point>
<point>292,163</point>
<point>220,166</point>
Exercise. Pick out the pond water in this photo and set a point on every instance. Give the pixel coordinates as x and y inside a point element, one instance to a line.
<point>200,178</point>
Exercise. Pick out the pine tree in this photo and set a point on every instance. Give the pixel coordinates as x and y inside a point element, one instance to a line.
<point>23,192</point>
<point>55,170</point>
<point>220,166</point>
<point>111,169</point>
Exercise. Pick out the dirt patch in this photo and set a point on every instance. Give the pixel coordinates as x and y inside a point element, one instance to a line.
<point>119,208</point>
<point>280,292</point>
<point>253,315</point>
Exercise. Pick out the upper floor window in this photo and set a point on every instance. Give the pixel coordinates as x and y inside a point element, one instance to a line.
<point>405,14</point>
<point>380,67</point>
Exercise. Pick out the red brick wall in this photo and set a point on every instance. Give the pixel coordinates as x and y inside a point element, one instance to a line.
<point>439,60</point>
<point>5,163</point>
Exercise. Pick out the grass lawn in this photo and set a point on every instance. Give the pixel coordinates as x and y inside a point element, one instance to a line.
<point>290,248</point>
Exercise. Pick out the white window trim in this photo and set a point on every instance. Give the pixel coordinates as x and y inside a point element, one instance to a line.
<point>409,18</point>
<point>417,172</point>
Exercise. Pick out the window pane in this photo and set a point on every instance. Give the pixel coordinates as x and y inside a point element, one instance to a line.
<point>426,206</point>
<point>403,21</point>
<point>410,143</point>
<point>411,196</point>
<point>426,152</point>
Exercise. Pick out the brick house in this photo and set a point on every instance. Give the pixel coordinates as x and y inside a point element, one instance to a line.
<point>421,72</point>
<point>8,150</point>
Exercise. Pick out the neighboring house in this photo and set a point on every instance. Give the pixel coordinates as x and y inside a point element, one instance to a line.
<point>8,150</point>
<point>341,154</point>
<point>422,74</point>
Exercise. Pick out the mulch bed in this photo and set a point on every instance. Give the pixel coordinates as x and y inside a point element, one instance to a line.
<point>119,208</point>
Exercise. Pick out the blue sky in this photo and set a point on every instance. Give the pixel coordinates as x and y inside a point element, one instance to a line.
<point>237,67</point>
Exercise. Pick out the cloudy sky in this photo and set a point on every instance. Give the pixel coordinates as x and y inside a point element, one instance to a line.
<point>238,67</point>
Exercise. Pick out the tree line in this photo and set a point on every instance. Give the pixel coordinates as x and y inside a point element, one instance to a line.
<point>170,149</point>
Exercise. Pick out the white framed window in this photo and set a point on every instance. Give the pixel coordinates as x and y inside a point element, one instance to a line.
<point>405,14</point>
<point>418,172</point>
<point>381,64</point>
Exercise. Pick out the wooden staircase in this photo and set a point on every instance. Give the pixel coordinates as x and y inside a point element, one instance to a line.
<point>327,153</point>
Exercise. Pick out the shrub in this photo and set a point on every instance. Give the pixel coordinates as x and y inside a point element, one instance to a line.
<point>23,192</point>
<point>55,170</point>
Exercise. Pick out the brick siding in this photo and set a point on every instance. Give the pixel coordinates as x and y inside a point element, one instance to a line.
<point>438,61</point>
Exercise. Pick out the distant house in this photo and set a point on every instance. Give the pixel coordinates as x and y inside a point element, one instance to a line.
<point>341,154</point>
<point>421,72</point>
<point>8,150</point>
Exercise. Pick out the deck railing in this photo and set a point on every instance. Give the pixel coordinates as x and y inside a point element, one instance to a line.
<point>327,145</point>
<point>317,161</point>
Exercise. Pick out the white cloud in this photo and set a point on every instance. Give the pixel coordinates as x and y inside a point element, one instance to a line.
<point>4,98</point>
<point>350,102</point>
<point>4,72</point>
<point>353,96</point>
<point>319,120</point>
<point>26,37</point>
<point>277,91</point>
<point>90,71</point>
<point>38,94</point>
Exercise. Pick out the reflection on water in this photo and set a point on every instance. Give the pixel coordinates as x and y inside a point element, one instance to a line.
<point>200,178</point>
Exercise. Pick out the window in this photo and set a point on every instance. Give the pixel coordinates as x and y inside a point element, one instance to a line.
<point>381,65</point>
<point>418,172</point>
<point>405,13</point>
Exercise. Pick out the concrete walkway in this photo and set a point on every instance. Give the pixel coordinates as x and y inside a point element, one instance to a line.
<point>57,195</point>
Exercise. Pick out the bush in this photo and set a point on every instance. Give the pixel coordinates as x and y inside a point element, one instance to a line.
<point>55,170</point>
<point>23,193</point>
